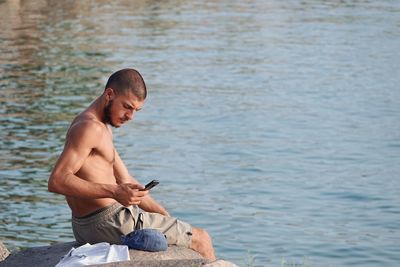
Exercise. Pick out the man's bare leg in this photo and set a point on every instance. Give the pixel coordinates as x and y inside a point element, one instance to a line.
<point>201,242</point>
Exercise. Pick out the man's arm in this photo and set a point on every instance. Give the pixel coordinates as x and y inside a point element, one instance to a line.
<point>63,180</point>
<point>122,175</point>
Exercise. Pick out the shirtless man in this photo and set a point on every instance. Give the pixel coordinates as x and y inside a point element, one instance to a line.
<point>103,197</point>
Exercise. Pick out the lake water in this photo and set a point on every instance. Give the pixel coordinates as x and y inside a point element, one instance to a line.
<point>275,125</point>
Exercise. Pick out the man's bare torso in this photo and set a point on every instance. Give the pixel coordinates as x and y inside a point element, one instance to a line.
<point>98,167</point>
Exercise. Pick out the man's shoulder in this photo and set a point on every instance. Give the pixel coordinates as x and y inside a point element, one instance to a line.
<point>84,124</point>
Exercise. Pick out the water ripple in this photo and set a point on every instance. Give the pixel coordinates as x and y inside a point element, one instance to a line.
<point>275,122</point>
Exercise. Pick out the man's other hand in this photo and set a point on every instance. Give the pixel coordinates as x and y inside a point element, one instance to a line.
<point>130,194</point>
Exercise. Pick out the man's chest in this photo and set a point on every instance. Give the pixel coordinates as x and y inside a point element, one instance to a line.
<point>104,150</point>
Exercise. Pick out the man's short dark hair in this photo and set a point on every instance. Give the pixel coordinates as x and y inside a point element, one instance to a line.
<point>126,80</point>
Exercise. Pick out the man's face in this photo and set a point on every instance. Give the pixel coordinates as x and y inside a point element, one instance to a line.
<point>121,108</point>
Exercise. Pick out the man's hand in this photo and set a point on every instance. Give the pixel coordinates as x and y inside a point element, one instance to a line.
<point>130,194</point>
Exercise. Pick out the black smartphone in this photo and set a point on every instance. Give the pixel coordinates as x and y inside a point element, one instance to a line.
<point>151,185</point>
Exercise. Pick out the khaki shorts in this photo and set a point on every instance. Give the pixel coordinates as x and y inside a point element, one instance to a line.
<point>109,223</point>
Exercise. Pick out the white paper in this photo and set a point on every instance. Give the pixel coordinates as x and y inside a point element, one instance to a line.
<point>94,254</point>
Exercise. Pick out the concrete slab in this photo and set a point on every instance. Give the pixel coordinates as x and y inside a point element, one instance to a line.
<point>49,256</point>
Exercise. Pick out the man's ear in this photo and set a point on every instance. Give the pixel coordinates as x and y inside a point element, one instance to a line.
<point>109,93</point>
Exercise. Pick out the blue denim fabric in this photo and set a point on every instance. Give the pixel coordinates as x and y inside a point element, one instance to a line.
<point>145,239</point>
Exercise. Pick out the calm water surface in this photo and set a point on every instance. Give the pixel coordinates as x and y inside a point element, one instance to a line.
<point>272,124</point>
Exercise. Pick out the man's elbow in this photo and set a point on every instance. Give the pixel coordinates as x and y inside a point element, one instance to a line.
<point>53,186</point>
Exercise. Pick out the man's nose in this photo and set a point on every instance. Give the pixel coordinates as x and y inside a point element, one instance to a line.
<point>130,115</point>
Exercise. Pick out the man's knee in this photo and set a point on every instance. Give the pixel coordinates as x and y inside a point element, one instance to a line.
<point>200,236</point>
<point>201,242</point>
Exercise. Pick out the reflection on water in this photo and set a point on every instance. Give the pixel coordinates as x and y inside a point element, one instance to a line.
<point>276,122</point>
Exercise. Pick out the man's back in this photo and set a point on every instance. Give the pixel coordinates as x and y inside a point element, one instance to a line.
<point>98,164</point>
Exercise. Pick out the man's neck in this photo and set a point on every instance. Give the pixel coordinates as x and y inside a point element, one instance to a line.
<point>97,109</point>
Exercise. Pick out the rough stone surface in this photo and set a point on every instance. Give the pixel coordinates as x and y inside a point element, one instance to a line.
<point>220,263</point>
<point>174,256</point>
<point>51,255</point>
<point>3,251</point>
<point>38,256</point>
